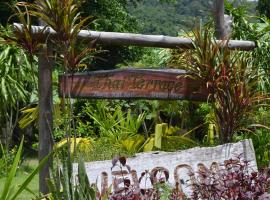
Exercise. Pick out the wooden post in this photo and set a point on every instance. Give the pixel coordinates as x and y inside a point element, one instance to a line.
<point>45,115</point>
<point>219,19</point>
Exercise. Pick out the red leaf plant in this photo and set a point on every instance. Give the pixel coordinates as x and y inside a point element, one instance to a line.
<point>233,182</point>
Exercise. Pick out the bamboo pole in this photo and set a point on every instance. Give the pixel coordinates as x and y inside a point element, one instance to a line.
<point>131,39</point>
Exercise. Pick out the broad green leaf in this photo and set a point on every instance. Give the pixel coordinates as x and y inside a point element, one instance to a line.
<point>24,185</point>
<point>149,145</point>
<point>159,131</point>
<point>11,175</point>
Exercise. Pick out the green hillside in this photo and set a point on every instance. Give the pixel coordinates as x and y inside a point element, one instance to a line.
<point>170,18</point>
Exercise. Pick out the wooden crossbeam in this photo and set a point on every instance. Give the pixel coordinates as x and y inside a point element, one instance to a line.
<point>131,39</point>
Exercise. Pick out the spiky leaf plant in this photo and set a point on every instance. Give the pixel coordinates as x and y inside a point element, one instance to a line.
<point>64,184</point>
<point>28,39</point>
<point>65,19</point>
<point>230,80</point>
<point>12,192</point>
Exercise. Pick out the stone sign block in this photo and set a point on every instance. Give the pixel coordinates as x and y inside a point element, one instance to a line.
<point>179,165</point>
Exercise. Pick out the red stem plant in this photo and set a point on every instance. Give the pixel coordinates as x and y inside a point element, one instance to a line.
<point>64,18</point>
<point>230,80</point>
<point>235,181</point>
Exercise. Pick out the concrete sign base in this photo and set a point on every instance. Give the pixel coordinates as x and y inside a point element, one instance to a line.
<point>179,165</point>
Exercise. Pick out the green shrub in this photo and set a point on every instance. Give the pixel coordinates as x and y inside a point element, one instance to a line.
<point>10,191</point>
<point>104,149</point>
<point>6,159</point>
<point>62,185</point>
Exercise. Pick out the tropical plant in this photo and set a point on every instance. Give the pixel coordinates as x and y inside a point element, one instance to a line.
<point>24,37</point>
<point>64,185</point>
<point>82,145</point>
<point>6,159</point>
<point>63,17</point>
<point>230,80</point>
<point>15,87</point>
<point>210,126</point>
<point>133,145</point>
<point>166,138</point>
<point>234,181</point>
<point>260,138</point>
<point>103,149</point>
<point>254,28</point>
<point>29,113</point>
<point>245,26</point>
<point>154,57</point>
<point>10,191</point>
<point>114,124</point>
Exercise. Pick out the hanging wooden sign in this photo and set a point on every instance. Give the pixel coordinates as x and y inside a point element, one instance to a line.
<point>132,84</point>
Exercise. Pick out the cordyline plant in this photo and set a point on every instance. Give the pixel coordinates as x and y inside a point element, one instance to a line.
<point>230,81</point>
<point>65,19</point>
<point>26,38</point>
<point>234,181</point>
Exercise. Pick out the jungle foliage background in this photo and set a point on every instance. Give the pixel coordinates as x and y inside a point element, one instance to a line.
<point>106,128</point>
<point>168,17</point>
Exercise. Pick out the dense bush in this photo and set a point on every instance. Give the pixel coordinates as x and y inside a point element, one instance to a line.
<point>234,181</point>
<point>6,160</point>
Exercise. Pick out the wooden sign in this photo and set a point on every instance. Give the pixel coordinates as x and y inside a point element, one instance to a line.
<point>132,83</point>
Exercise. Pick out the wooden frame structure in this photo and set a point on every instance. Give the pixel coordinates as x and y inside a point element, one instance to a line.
<point>131,39</point>
<point>108,38</point>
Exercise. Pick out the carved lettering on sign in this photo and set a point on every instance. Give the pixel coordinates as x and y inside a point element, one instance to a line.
<point>184,177</point>
<point>132,83</point>
<point>177,168</point>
